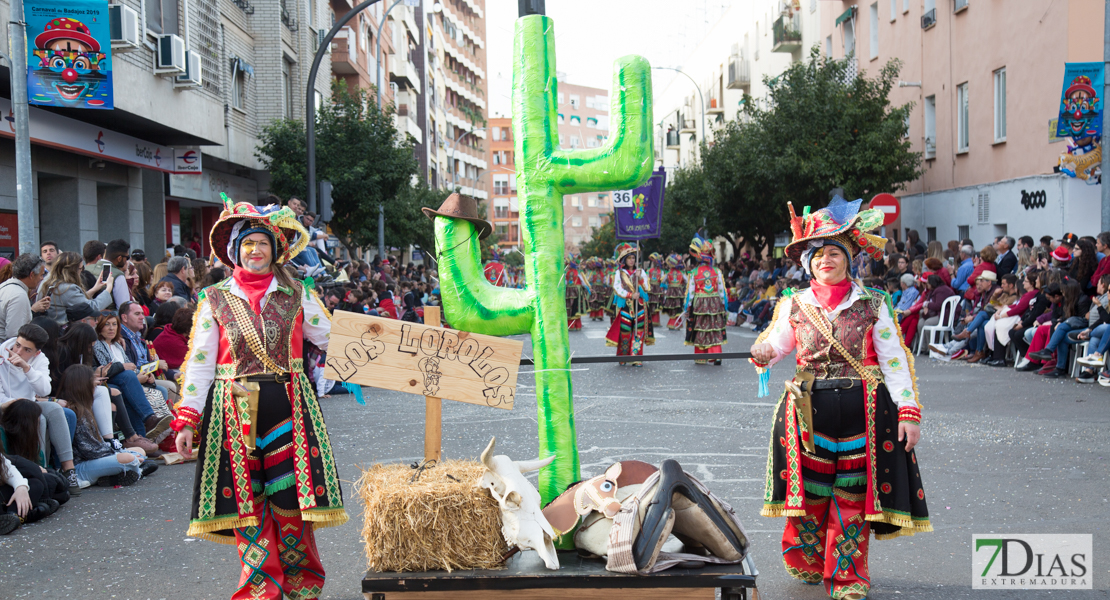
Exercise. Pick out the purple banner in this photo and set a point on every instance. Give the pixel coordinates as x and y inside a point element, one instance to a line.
<point>639,212</point>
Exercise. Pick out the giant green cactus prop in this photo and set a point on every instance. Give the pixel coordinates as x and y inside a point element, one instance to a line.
<point>544,174</point>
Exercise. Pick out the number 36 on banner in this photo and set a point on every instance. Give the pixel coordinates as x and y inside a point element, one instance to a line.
<point>622,199</point>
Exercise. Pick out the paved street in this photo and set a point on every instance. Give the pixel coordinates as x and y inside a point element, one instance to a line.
<point>1002,452</point>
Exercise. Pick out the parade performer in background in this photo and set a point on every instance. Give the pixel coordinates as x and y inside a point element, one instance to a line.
<point>266,477</point>
<point>841,462</point>
<point>495,269</point>
<point>600,290</point>
<point>610,271</point>
<point>577,294</point>
<point>704,304</point>
<point>631,328</point>
<point>658,285</point>
<point>674,298</point>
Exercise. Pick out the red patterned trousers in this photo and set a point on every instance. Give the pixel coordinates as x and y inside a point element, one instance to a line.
<point>829,544</point>
<point>279,557</point>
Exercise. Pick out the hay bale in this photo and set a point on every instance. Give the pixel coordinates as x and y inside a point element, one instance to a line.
<point>436,523</point>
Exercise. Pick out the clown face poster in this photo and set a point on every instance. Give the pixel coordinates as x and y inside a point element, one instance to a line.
<point>69,53</point>
<point>1080,104</point>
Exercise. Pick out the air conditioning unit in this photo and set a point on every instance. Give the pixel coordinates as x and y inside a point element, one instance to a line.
<point>123,23</point>
<point>170,57</point>
<point>192,76</point>
<point>959,5</point>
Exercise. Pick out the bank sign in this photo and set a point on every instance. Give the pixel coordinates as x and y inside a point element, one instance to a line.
<point>1025,562</point>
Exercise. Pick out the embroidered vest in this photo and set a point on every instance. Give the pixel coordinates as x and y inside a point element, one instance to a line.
<point>705,282</point>
<point>273,328</point>
<point>851,328</point>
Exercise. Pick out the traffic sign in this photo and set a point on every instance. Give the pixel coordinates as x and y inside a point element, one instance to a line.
<point>889,205</point>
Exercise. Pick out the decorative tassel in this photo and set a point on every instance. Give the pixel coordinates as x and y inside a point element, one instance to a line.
<point>355,390</point>
<point>764,383</point>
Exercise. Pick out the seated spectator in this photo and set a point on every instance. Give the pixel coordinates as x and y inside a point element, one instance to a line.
<point>64,288</point>
<point>1083,265</point>
<point>25,493</point>
<point>1069,314</point>
<point>96,458</point>
<point>178,271</point>
<point>25,374</point>
<point>161,292</point>
<point>172,344</point>
<point>935,265</point>
<point>110,351</point>
<point>22,436</point>
<point>984,262</point>
<point>968,257</point>
<point>1006,318</point>
<point>163,317</point>
<point>909,294</point>
<point>140,351</point>
<point>76,347</point>
<point>1098,322</point>
<point>1061,258</point>
<point>15,299</point>
<point>989,297</point>
<point>928,313</point>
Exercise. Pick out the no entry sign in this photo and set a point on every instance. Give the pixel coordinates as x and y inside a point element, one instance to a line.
<point>889,205</point>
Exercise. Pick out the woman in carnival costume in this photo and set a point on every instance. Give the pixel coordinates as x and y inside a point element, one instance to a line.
<point>841,464</point>
<point>631,328</point>
<point>658,285</point>
<point>704,303</point>
<point>577,294</point>
<point>674,298</point>
<point>266,477</point>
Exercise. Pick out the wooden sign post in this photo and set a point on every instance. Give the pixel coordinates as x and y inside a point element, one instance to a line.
<point>427,360</point>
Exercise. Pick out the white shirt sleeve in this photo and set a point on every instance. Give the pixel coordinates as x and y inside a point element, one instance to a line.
<point>317,320</point>
<point>894,361</point>
<point>618,286</point>
<point>780,334</point>
<point>200,363</point>
<point>120,291</point>
<point>14,478</point>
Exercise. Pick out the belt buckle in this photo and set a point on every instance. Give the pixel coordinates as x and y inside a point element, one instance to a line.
<point>851,384</point>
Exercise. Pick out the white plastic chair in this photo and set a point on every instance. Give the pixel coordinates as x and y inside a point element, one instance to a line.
<point>1077,350</point>
<point>940,332</point>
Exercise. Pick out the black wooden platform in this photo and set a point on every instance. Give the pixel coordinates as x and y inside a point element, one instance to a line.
<point>526,577</point>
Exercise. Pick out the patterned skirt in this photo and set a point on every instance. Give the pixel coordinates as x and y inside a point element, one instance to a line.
<point>706,322</point>
<point>271,470</point>
<point>673,299</point>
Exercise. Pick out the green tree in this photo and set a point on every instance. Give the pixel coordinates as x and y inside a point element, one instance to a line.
<point>368,163</point>
<point>687,207</point>
<point>602,242</point>
<point>822,128</point>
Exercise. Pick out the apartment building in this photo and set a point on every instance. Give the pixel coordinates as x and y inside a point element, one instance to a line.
<point>454,148</point>
<point>751,40</point>
<point>502,208</point>
<point>151,171</point>
<point>984,79</point>
<point>583,121</point>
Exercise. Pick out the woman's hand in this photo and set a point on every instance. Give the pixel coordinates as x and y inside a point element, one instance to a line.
<point>183,443</point>
<point>22,501</point>
<point>909,432</point>
<point>763,353</point>
<point>41,306</point>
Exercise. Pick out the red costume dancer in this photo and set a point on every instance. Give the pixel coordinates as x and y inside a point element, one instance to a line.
<point>674,293</point>
<point>577,294</point>
<point>655,277</point>
<point>841,463</point>
<point>265,477</point>
<point>631,328</point>
<point>705,303</point>
<point>599,288</point>
<point>495,269</point>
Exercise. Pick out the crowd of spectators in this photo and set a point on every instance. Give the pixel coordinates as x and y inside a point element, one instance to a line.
<point>92,346</point>
<point>1027,303</point>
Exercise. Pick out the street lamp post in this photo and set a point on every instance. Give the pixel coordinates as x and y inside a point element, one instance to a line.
<point>701,99</point>
<point>454,149</point>
<point>17,68</point>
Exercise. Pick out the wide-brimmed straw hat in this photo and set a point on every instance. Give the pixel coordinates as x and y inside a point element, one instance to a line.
<point>458,206</point>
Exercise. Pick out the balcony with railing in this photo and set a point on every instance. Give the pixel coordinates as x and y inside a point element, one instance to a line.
<point>689,126</point>
<point>403,72</point>
<point>787,33</point>
<point>672,139</point>
<point>344,58</point>
<point>739,73</point>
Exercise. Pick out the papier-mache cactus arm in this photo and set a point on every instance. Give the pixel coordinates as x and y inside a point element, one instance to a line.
<point>470,302</point>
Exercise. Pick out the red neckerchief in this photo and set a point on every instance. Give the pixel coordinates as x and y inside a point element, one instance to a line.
<point>830,296</point>
<point>253,285</point>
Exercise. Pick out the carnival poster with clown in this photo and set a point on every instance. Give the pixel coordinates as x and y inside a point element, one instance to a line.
<point>1081,120</point>
<point>69,54</point>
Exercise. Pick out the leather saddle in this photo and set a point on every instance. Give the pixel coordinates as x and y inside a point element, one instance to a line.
<point>676,503</point>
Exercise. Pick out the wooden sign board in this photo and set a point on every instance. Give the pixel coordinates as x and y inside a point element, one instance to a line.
<point>419,359</point>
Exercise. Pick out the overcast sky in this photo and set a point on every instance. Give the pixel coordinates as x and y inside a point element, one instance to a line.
<point>591,34</point>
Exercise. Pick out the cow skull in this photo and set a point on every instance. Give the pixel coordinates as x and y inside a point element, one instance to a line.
<point>522,521</point>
